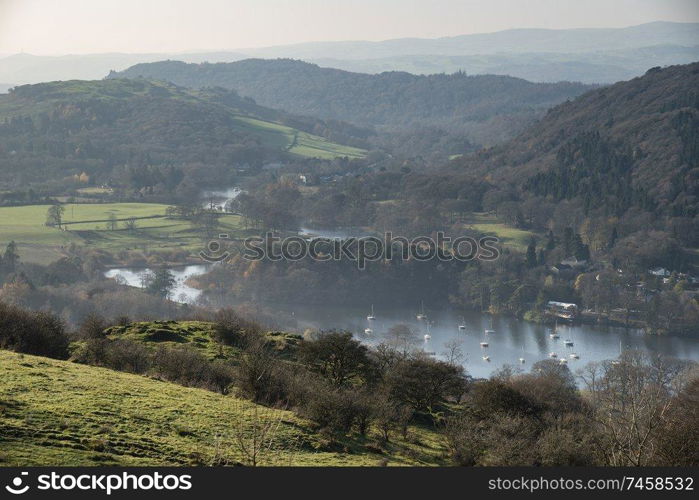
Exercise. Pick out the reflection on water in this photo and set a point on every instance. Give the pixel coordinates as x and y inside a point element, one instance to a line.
<point>180,292</point>
<point>512,339</point>
<point>219,199</point>
<point>331,234</point>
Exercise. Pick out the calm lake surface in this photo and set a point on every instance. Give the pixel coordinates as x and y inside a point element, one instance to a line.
<point>513,339</point>
<point>331,234</point>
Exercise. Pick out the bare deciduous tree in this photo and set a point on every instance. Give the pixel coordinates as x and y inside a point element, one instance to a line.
<point>402,338</point>
<point>631,398</point>
<point>130,224</point>
<point>257,440</point>
<point>453,354</point>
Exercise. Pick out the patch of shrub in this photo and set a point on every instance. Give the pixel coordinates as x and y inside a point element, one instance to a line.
<point>390,415</point>
<point>93,326</point>
<point>185,366</point>
<point>122,320</point>
<point>493,396</point>
<point>424,384</point>
<point>232,329</point>
<point>181,365</point>
<point>221,376</point>
<point>334,409</point>
<point>37,333</point>
<point>121,355</point>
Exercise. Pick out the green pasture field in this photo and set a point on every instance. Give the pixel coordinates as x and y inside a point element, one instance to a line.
<point>40,243</point>
<point>297,142</point>
<point>510,237</point>
<point>59,413</point>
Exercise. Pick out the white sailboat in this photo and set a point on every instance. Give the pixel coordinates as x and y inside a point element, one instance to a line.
<point>554,333</point>
<point>462,325</point>
<point>484,343</point>
<point>368,331</point>
<point>569,341</point>
<point>618,360</point>
<point>371,316</point>
<point>421,315</point>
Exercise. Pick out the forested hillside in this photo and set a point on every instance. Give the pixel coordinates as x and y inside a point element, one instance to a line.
<point>633,144</point>
<point>487,109</point>
<point>121,128</point>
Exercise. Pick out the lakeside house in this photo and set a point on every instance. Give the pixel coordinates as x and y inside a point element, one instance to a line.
<point>574,262</point>
<point>660,272</point>
<point>565,310</point>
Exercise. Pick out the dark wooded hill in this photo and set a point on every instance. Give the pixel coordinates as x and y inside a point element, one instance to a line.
<point>486,109</point>
<point>635,143</point>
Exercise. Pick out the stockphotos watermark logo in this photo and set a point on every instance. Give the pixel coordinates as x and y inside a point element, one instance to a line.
<point>359,250</point>
<point>18,487</point>
<point>100,483</point>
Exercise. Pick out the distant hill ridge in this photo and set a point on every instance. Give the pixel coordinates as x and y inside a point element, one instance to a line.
<point>521,40</point>
<point>485,108</point>
<point>589,55</point>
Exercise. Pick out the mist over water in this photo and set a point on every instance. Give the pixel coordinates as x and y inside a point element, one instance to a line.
<point>220,198</point>
<point>513,339</point>
<point>181,292</point>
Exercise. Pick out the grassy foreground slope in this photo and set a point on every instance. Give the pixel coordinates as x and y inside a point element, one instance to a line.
<point>61,413</point>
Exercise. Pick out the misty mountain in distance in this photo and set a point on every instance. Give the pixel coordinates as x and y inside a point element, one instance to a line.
<point>20,69</point>
<point>588,55</point>
<point>588,67</point>
<point>485,109</point>
<point>595,55</point>
<point>514,41</point>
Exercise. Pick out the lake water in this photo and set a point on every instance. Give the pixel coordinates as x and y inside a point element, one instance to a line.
<point>512,339</point>
<point>181,292</point>
<point>331,234</point>
<point>219,199</point>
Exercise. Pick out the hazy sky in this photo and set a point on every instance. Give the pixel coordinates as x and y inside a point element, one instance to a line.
<point>88,26</point>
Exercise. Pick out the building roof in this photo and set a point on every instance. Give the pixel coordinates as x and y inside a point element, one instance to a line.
<point>564,305</point>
